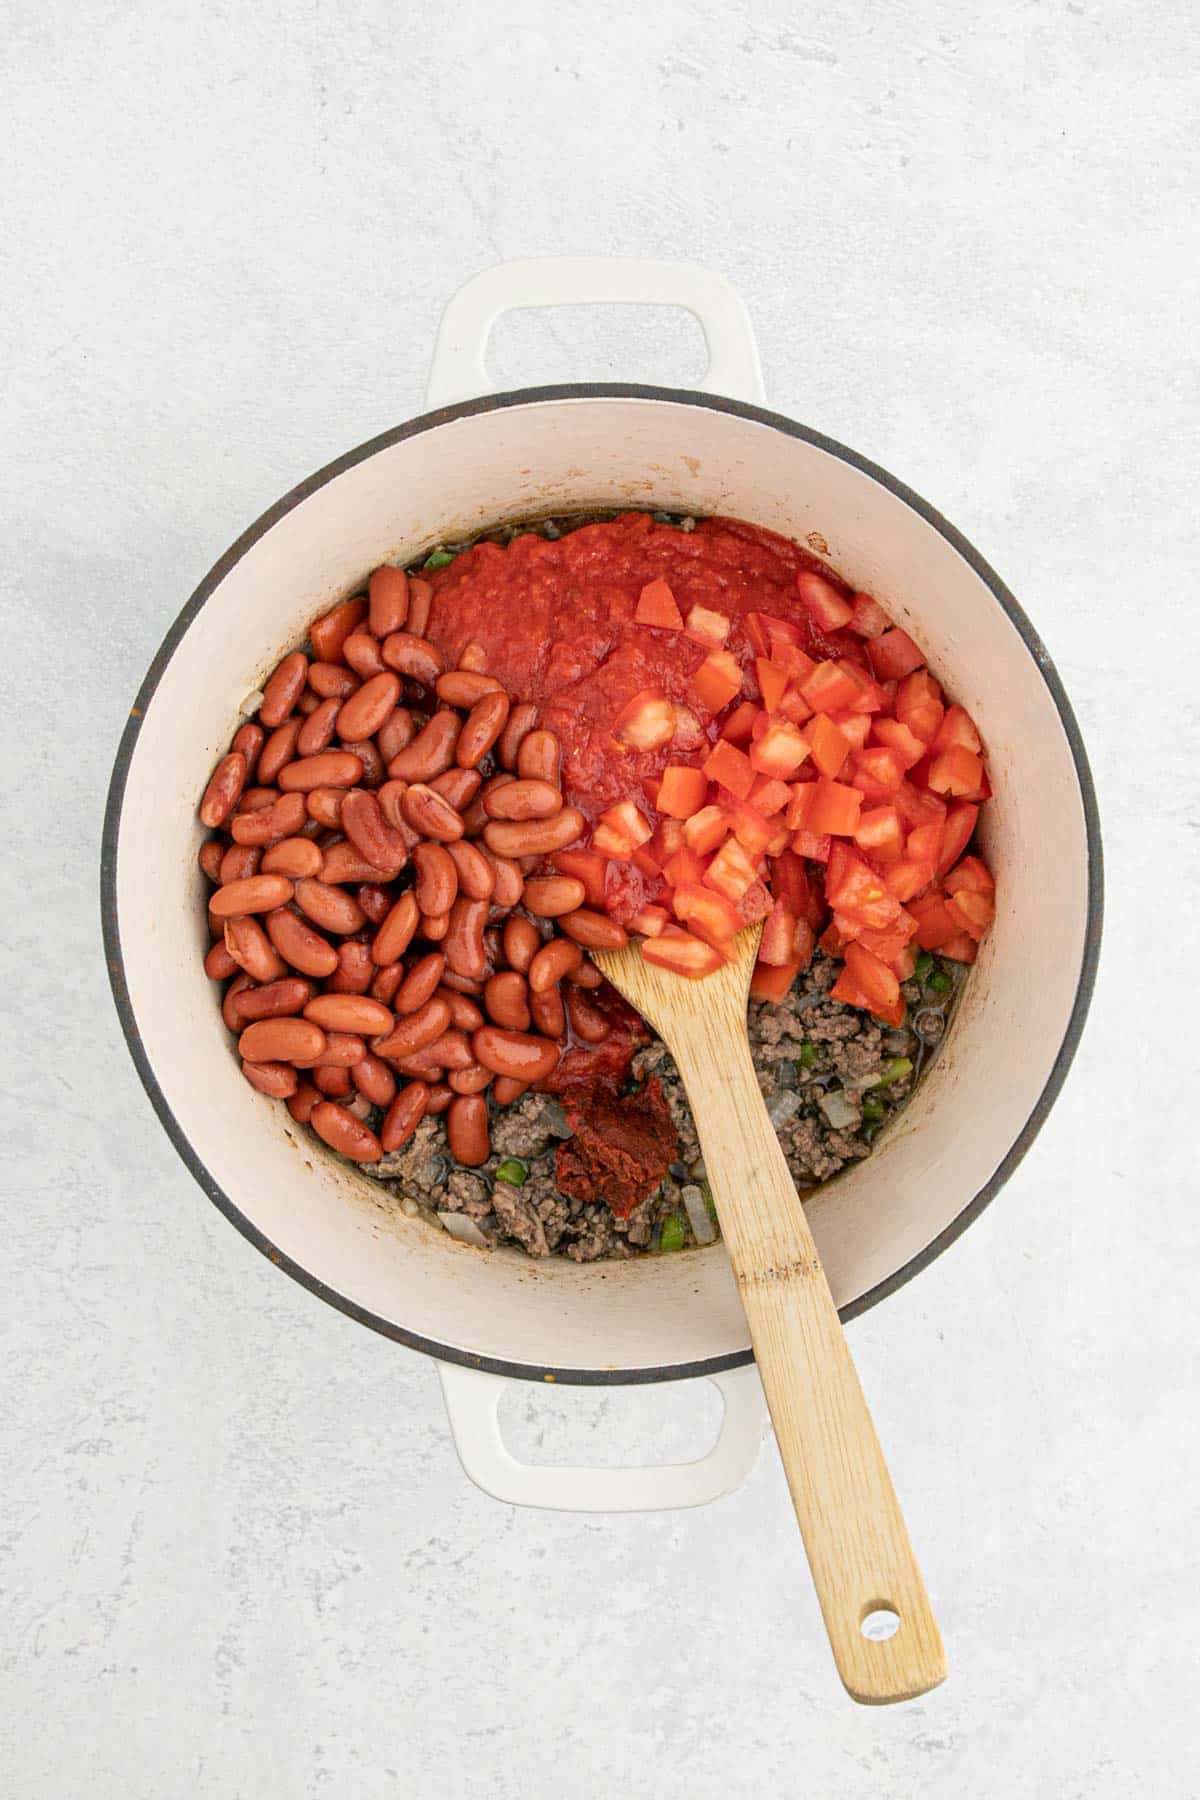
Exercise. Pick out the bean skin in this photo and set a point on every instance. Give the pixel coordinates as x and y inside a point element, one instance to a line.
<point>275,999</point>
<point>294,857</point>
<point>464,1014</point>
<point>452,1050</point>
<point>238,863</point>
<point>369,832</point>
<point>373,1078</point>
<point>461,984</point>
<point>550,896</point>
<point>505,1090</point>
<point>301,946</point>
<point>332,1080</point>
<point>413,656</point>
<point>404,1115</point>
<point>332,768</point>
<point>231,1010</point>
<point>374,771</point>
<point>549,1014</point>
<point>520,942</point>
<point>521,721</point>
<point>397,931</point>
<point>301,1103</point>
<point>252,950</point>
<point>355,968</point>
<point>471,1080</point>
<point>343,1050</point>
<point>587,975</point>
<point>278,751</point>
<point>256,894</point>
<point>349,1012</point>
<point>270,824</point>
<point>516,1053</point>
<point>387,601</point>
<point>331,631</point>
<point>375,900</point>
<point>594,930</point>
<point>210,858</point>
<point>476,875</point>
<point>534,837</point>
<point>523,800</point>
<point>364,712</point>
<point>509,879</point>
<point>587,1021</point>
<point>223,790</point>
<point>361,652</point>
<point>464,687</point>
<point>412,1033</point>
<point>277,1079</point>
<point>307,703</point>
<point>324,807</point>
<point>457,786</point>
<point>249,740</point>
<point>329,907</point>
<point>332,681</point>
<point>344,1133</point>
<point>483,726</point>
<point>434,926</point>
<point>343,862</point>
<point>386,983</point>
<point>431,752</point>
<point>436,886</point>
<point>506,998</point>
<point>283,689</point>
<point>218,964</point>
<point>420,604</point>
<point>316,733</point>
<point>538,757</point>
<point>396,733</point>
<point>552,962</point>
<point>282,1040</point>
<point>465,953</point>
<point>429,814</point>
<point>467,1130</point>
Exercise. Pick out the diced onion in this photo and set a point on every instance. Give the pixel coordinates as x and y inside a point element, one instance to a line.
<point>839,1110</point>
<point>465,1230</point>
<point>703,1229</point>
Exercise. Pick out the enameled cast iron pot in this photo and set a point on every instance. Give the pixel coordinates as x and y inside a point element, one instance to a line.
<point>465,465</point>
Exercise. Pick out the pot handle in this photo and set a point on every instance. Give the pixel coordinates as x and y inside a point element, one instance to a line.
<point>472,1400</point>
<point>458,371</point>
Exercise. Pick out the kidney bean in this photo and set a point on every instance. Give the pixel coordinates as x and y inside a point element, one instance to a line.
<point>413,1032</point>
<point>355,968</point>
<point>436,886</point>
<point>391,798</point>
<point>520,941</point>
<point>413,656</point>
<point>369,832</point>
<point>476,875</point>
<point>505,1090</point>
<point>450,1051</point>
<point>332,768</point>
<point>474,658</point>
<point>329,907</point>
<point>396,733</point>
<point>248,740</point>
<point>373,1079</point>
<point>363,714</point>
<point>325,807</point>
<point>386,982</point>
<point>515,1053</point>
<point>331,630</point>
<point>404,1115</point>
<point>594,930</point>
<point>316,731</point>
<point>307,703</point>
<point>278,751</point>
<point>292,856</point>
<point>218,964</point>
<point>282,1040</point>
<point>397,931</point>
<point>440,1097</point>
<point>301,1103</point>
<point>552,962</point>
<point>434,926</point>
<point>301,946</point>
<point>464,1014</point>
<point>429,814</point>
<point>270,824</point>
<point>332,681</point>
<point>223,790</point>
<point>361,652</point>
<point>342,862</point>
<point>534,837</point>
<point>471,1080</point>
<point>587,975</point>
<point>550,896</point>
<point>209,858</point>
<point>549,1014</point>
<point>274,999</point>
<point>587,1021</point>
<point>252,950</point>
<point>431,752</point>
<point>458,786</point>
<point>239,862</point>
<point>420,604</point>
<point>461,984</point>
<point>465,953</point>
<point>255,799</point>
<point>521,721</point>
<point>463,687</point>
<point>277,1079</point>
<point>374,769</point>
<point>343,1050</point>
<point>467,1130</point>
<point>523,800</point>
<point>376,901</point>
<point>283,688</point>
<point>349,1012</point>
<point>344,1133</point>
<point>506,997</point>
<point>387,602</point>
<point>231,1010</point>
<point>253,894</point>
<point>538,757</point>
<point>333,1080</point>
<point>482,728</point>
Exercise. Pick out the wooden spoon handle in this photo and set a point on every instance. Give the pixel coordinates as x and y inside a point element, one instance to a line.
<point>849,1517</point>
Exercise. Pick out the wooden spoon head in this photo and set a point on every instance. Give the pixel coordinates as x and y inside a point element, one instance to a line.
<point>676,1004</point>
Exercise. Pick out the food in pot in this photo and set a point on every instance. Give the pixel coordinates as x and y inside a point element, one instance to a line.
<point>476,773</point>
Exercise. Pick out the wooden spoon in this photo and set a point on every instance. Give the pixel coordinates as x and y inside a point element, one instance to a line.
<point>862,1562</point>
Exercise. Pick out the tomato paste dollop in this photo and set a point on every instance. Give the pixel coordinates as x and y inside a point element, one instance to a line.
<point>622,1147</point>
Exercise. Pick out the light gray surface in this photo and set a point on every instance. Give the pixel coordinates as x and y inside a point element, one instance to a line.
<point>237,1556</point>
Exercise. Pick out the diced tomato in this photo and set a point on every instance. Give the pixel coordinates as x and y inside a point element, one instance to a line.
<point>906,878</point>
<point>668,836</point>
<point>778,945</point>
<point>780,750</point>
<point>707,627</point>
<point>955,771</point>
<point>752,831</point>
<point>869,696</point>
<point>761,721</point>
<point>794,706</point>
<point>650,785</point>
<point>917,806</point>
<point>685,866</point>
<point>960,825</point>
<point>834,808</point>
<point>880,834</point>
<point>898,737</point>
<point>971,873</point>
<point>872,977</point>
<point>642,859</point>
<point>972,910</point>
<point>868,617</point>
<point>919,705</point>
<point>924,843</point>
<point>650,920</point>
<point>689,733</point>
<point>682,791</point>
<point>830,688</point>
<point>961,947</point>
<point>935,927</point>
<point>682,953</point>
<point>647,722</point>
<point>789,878</point>
<point>656,606</point>
<point>619,831</point>
<point>731,870</point>
<point>717,680</point>
<point>709,914</point>
<point>798,804</point>
<point>731,767</point>
<point>894,655</point>
<point>706,829</point>
<point>772,682</point>
<point>878,772</point>
<point>756,630</point>
<point>754,904</point>
<point>769,795</point>
<point>957,728</point>
<point>738,725</point>
<point>832,942</point>
<point>830,745</point>
<point>856,891</point>
<point>823,601</point>
<point>815,845</point>
<point>891,946</point>
<point>773,982</point>
<point>854,725</point>
<point>588,867</point>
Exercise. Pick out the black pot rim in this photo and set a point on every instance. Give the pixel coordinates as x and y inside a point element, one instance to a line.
<point>469,409</point>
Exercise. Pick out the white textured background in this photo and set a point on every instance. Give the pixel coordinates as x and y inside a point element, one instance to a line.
<point>237,1556</point>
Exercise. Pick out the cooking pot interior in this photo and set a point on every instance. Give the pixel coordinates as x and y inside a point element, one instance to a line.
<point>450,478</point>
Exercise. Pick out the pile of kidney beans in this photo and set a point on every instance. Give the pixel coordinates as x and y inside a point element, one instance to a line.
<point>374,911</point>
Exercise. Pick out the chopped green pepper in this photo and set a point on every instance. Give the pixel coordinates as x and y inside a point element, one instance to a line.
<point>674,1233</point>
<point>924,966</point>
<point>709,1202</point>
<point>438,559</point>
<point>873,1109</point>
<point>894,1070</point>
<point>807,1058</point>
<point>514,1171</point>
<point>941,981</point>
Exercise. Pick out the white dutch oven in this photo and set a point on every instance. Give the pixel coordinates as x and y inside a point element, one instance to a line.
<point>463,466</point>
